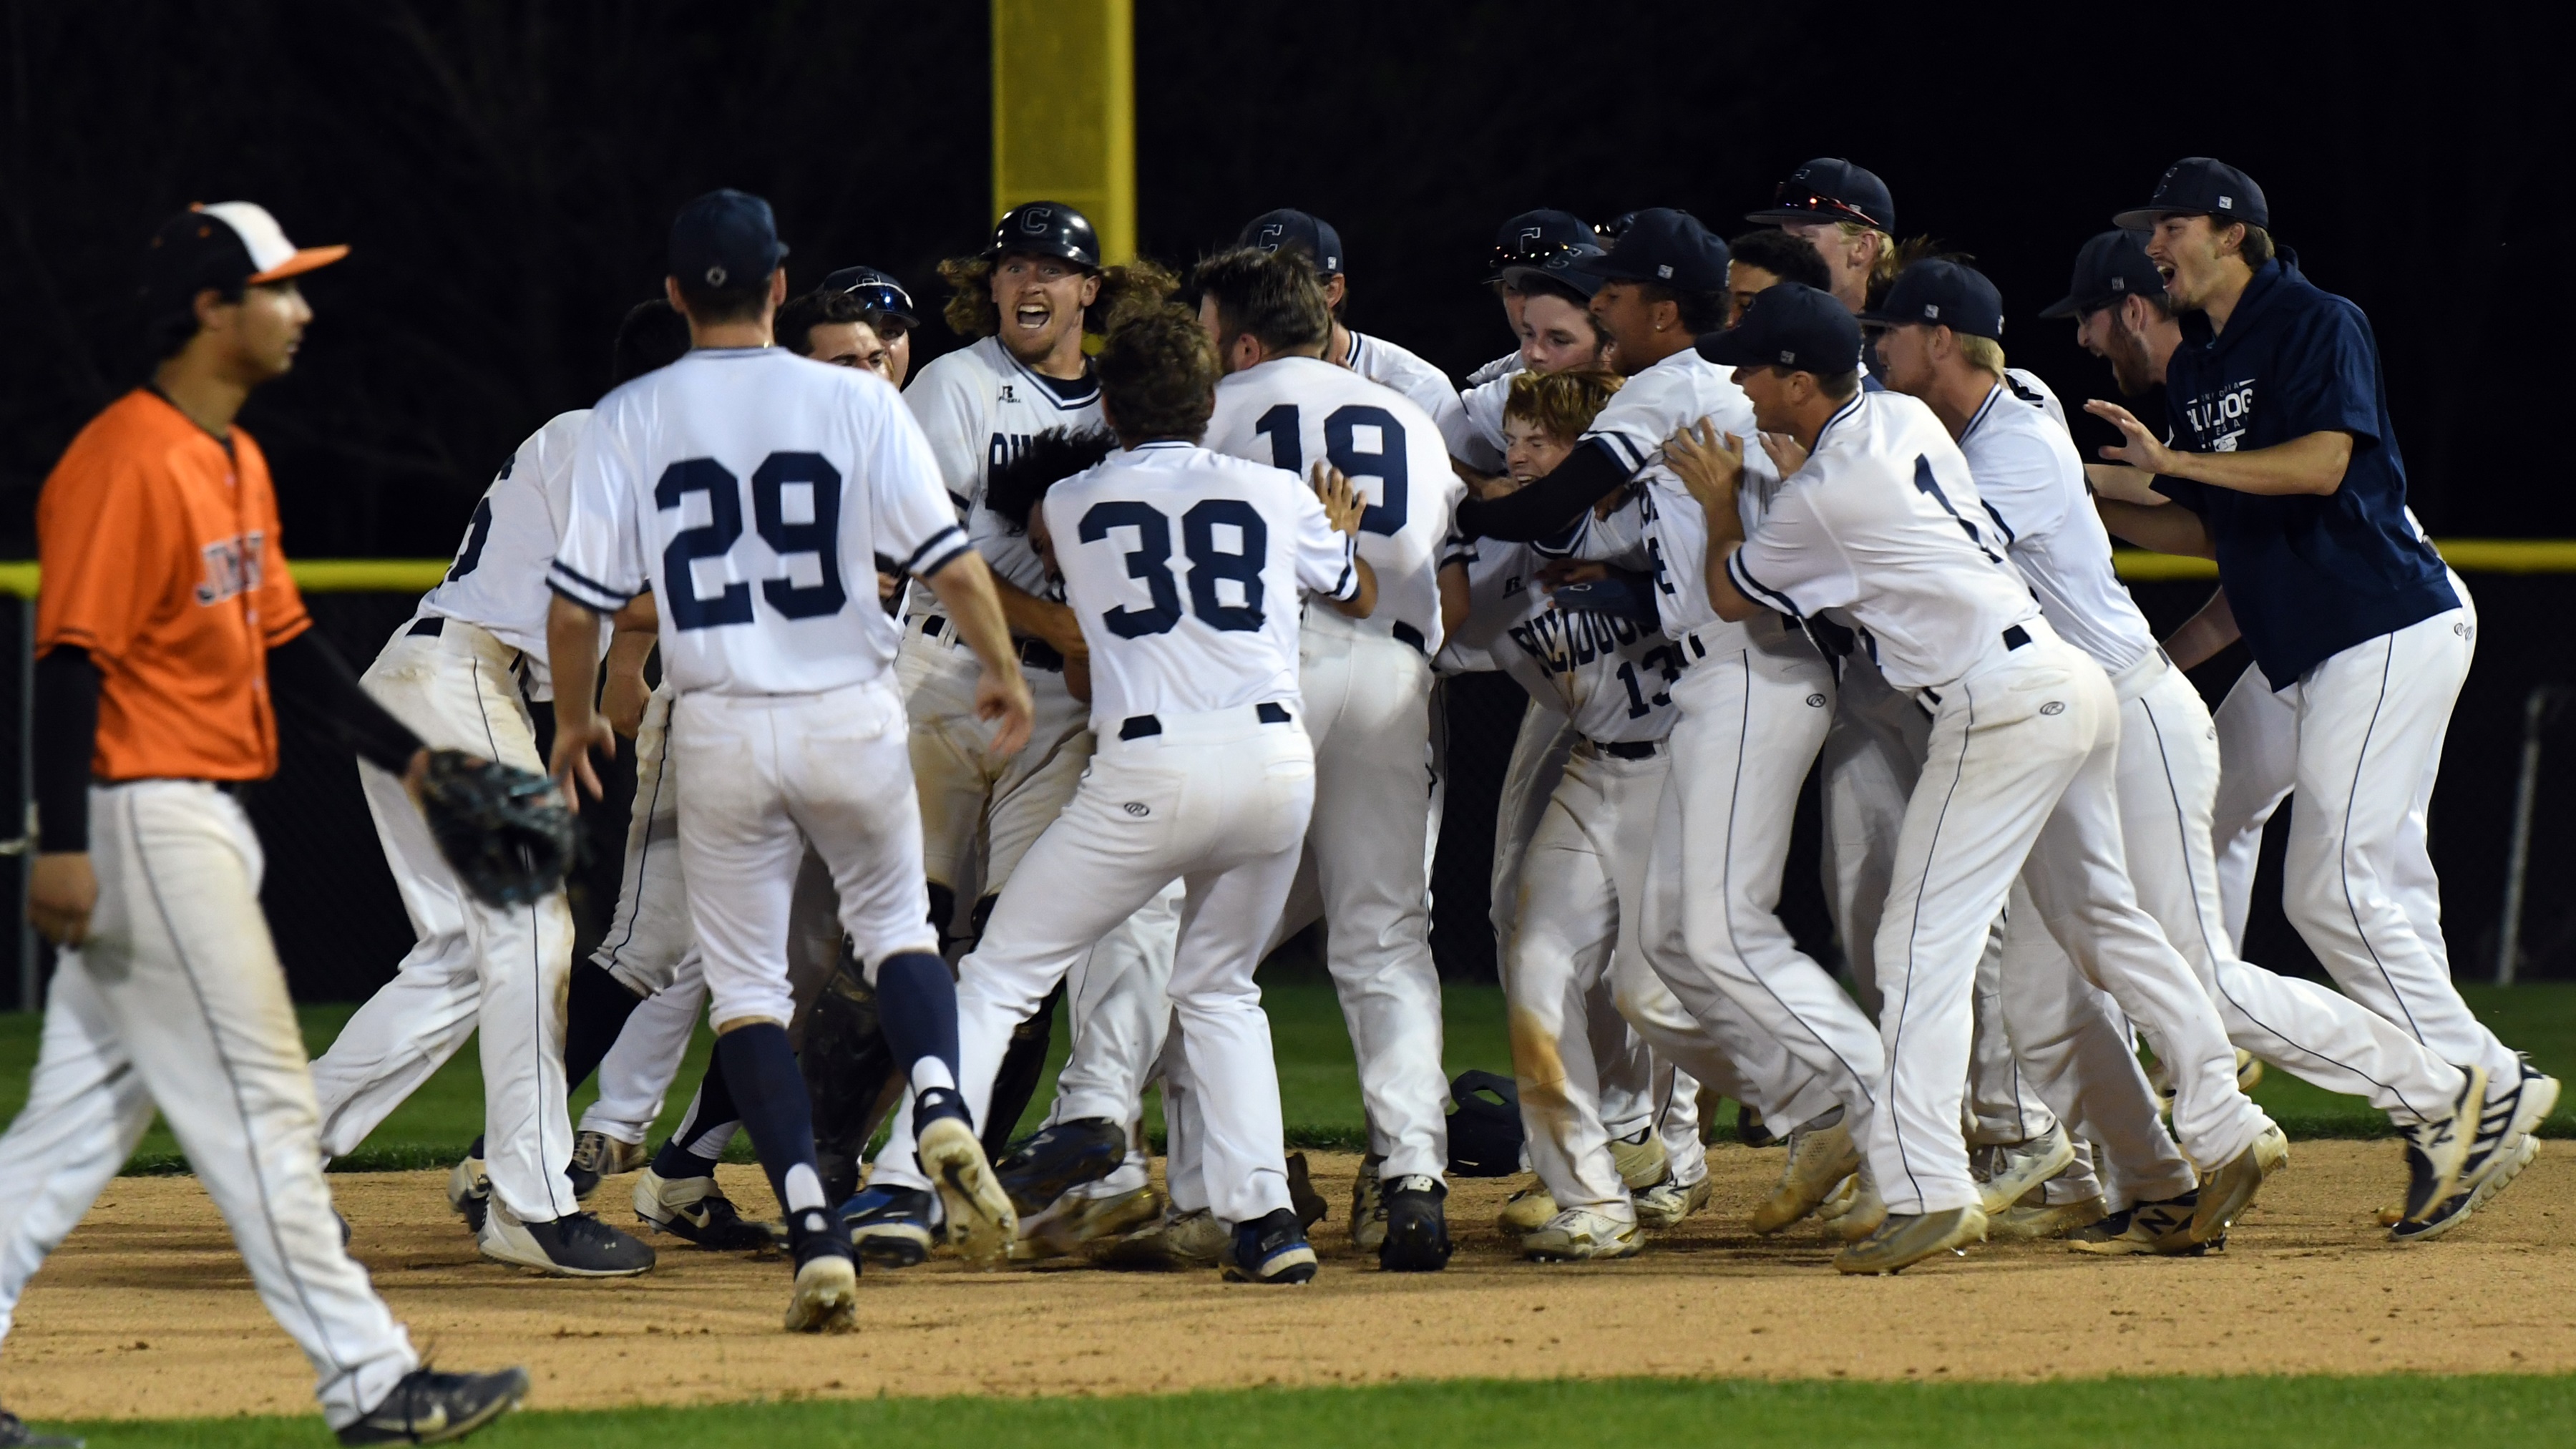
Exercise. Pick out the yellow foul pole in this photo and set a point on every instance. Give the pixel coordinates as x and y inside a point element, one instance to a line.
<point>1064,112</point>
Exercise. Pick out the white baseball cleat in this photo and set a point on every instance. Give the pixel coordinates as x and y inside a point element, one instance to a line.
<point>2226,1193</point>
<point>826,1299</point>
<point>1821,1155</point>
<point>1640,1158</point>
<point>1073,1221</point>
<point>2011,1170</point>
<point>1666,1203</point>
<point>980,1221</point>
<point>1867,1211</point>
<point>1580,1235</point>
<point>1528,1210</point>
<point>576,1245</point>
<point>2028,1222</point>
<point>1368,1207</point>
<point>1193,1239</point>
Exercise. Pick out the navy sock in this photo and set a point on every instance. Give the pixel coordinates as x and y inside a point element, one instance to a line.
<point>596,1011</point>
<point>776,1112</point>
<point>705,1130</point>
<point>917,1011</point>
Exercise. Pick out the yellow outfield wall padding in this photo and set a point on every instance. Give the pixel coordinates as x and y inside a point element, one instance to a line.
<point>1064,112</point>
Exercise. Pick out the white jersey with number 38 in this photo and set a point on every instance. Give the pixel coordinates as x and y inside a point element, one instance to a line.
<point>1295,412</point>
<point>750,490</point>
<point>1187,570</point>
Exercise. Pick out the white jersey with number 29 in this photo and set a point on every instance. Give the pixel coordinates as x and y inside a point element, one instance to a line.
<point>1187,570</point>
<point>1295,412</point>
<point>750,489</point>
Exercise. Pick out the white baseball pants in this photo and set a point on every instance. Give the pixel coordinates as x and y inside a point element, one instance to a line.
<point>2025,753</point>
<point>177,1002</point>
<point>1221,801</point>
<point>761,778</point>
<point>981,812</point>
<point>650,934</point>
<point>1751,721</point>
<point>493,973</point>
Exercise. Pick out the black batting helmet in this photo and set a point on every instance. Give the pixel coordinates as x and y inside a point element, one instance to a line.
<point>877,291</point>
<point>1485,1137</point>
<point>1047,229</point>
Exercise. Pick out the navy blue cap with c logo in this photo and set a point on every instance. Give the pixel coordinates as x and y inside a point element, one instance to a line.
<point>2199,185</point>
<point>1940,293</point>
<point>2111,266</point>
<point>1791,325</point>
<point>1302,230</point>
<point>1539,239</point>
<point>1667,246</point>
<point>726,238</point>
<point>1830,188</point>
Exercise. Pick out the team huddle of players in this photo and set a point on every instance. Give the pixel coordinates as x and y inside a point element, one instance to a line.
<point>1156,685</point>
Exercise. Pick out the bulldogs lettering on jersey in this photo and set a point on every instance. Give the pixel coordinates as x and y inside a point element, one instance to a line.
<point>2031,481</point>
<point>498,581</point>
<point>1187,570</point>
<point>980,406</point>
<point>1294,412</point>
<point>1606,674</point>
<point>751,490</point>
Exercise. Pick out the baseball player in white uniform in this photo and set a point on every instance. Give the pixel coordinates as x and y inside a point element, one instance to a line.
<point>1754,698</point>
<point>1374,358</point>
<point>1939,340</point>
<point>1367,688</point>
<point>2285,468</point>
<point>1882,518</point>
<point>786,728</point>
<point>1185,568</point>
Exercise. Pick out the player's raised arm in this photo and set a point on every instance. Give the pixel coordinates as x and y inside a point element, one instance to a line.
<point>965,589</point>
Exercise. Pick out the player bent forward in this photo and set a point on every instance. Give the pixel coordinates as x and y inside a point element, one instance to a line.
<point>786,727</point>
<point>1184,568</point>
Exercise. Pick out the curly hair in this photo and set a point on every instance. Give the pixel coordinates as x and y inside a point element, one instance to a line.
<point>1014,489</point>
<point>1561,403</point>
<point>970,311</point>
<point>1157,373</point>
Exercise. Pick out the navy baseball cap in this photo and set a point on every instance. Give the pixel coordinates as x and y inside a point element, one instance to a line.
<point>1830,188</point>
<point>2111,266</point>
<point>1791,325</point>
<point>1667,246</point>
<point>876,291</point>
<point>1941,293</point>
<point>2198,185</point>
<point>1538,239</point>
<point>1303,230</point>
<point>725,238</point>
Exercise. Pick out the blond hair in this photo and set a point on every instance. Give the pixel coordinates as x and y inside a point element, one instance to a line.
<point>1983,353</point>
<point>1563,404</point>
<point>970,311</point>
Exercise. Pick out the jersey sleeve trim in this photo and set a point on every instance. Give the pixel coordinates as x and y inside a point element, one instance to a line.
<point>1744,580</point>
<point>1348,586</point>
<point>947,542</point>
<point>587,592</point>
<point>944,560</point>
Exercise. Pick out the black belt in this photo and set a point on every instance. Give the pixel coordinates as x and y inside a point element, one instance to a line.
<point>1035,653</point>
<point>429,628</point>
<point>1407,634</point>
<point>1626,749</point>
<point>1138,726</point>
<point>2015,636</point>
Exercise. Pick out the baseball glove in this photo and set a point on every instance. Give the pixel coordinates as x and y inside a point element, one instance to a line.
<point>507,832</point>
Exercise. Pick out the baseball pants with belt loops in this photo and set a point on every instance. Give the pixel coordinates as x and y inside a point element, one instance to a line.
<point>2021,780</point>
<point>177,1001</point>
<point>498,973</point>
<point>1221,800</point>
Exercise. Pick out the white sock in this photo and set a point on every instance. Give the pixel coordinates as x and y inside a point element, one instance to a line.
<point>931,1072</point>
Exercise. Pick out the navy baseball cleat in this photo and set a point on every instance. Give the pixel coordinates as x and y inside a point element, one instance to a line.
<point>1058,1159</point>
<point>1417,1225</point>
<point>429,1407</point>
<point>1270,1249</point>
<point>890,1225</point>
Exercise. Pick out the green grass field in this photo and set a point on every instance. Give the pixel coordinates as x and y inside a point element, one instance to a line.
<point>1319,1087</point>
<point>2276,1413</point>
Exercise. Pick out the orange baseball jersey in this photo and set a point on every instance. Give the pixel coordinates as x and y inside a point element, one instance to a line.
<point>160,557</point>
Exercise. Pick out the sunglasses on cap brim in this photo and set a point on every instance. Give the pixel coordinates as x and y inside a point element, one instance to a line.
<point>1824,206</point>
<point>883,297</point>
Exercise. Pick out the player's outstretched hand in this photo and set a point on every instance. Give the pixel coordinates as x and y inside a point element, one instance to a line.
<point>1005,698</point>
<point>1711,466</point>
<point>1342,502</point>
<point>574,740</point>
<point>1481,485</point>
<point>1557,573</point>
<point>2137,447</point>
<point>2122,483</point>
<point>1787,453</point>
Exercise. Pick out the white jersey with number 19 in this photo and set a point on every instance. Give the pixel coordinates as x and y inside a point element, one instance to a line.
<point>750,490</point>
<point>1186,569</point>
<point>1294,412</point>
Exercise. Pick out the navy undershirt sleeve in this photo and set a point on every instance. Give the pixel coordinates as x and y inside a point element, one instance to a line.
<point>1551,504</point>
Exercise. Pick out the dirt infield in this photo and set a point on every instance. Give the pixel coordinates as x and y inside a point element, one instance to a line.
<point>146,1310</point>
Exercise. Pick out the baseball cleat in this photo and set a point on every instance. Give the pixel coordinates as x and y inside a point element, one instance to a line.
<point>1905,1239</point>
<point>596,1155</point>
<point>2224,1194</point>
<point>1749,1128</point>
<point>469,1189</point>
<point>576,1245</point>
<point>696,1209</point>
<point>1072,1222</point>
<point>1270,1249</point>
<point>14,1434</point>
<point>1821,1155</point>
<point>1528,1210</point>
<point>1579,1235</point>
<point>891,1225</point>
<point>1303,1200</point>
<point>1059,1158</point>
<point>1368,1207</point>
<point>429,1407</point>
<point>2456,1209</point>
<point>2157,1229</point>
<point>1417,1226</point>
<point>1640,1158</point>
<point>826,1299</point>
<point>2249,1071</point>
<point>1867,1211</point>
<point>1193,1239</point>
<point>2437,1150</point>
<point>1665,1204</point>
<point>2027,1222</point>
<point>2012,1169</point>
<point>981,1222</point>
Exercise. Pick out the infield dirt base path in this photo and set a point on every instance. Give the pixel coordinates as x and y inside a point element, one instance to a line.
<point>146,1311</point>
